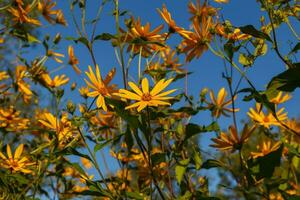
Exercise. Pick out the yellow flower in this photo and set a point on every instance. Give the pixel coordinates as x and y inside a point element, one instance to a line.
<point>56,82</point>
<point>73,61</point>
<point>21,15</point>
<point>62,127</point>
<point>144,40</point>
<point>201,11</point>
<point>23,87</point>
<point>221,1</point>
<point>234,35</point>
<point>86,163</point>
<point>170,60</point>
<point>1,40</point>
<point>45,7</point>
<point>10,119</point>
<point>195,43</point>
<point>294,125</point>
<point>15,162</point>
<point>55,56</point>
<point>84,91</point>
<point>60,19</point>
<point>100,87</point>
<point>275,196</point>
<point>267,120</point>
<point>164,13</point>
<point>218,105</point>
<point>233,141</point>
<point>145,97</point>
<point>280,98</point>
<point>106,122</point>
<point>265,148</point>
<point>3,75</point>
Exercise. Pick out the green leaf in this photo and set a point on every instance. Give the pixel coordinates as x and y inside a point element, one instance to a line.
<point>286,81</point>
<point>210,163</point>
<point>296,48</point>
<point>228,48</point>
<point>251,30</point>
<point>77,167</point>
<point>90,193</point>
<point>187,195</point>
<point>18,177</point>
<point>105,143</point>
<point>119,108</point>
<point>158,158</point>
<point>260,97</point>
<point>180,76</point>
<point>128,138</point>
<point>82,40</point>
<point>180,169</point>
<point>194,129</point>
<point>292,150</point>
<point>104,36</point>
<point>293,198</point>
<point>263,167</point>
<point>140,41</point>
<point>197,159</point>
<point>25,36</point>
<point>261,49</point>
<point>73,151</point>
<point>245,60</point>
<point>135,195</point>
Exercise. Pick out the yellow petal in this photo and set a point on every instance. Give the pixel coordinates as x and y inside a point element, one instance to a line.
<point>160,86</point>
<point>145,86</point>
<point>135,88</point>
<point>221,96</point>
<point>8,150</point>
<point>18,152</point>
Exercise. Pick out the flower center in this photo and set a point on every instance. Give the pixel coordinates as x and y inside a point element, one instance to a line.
<point>146,97</point>
<point>266,119</point>
<point>14,164</point>
<point>102,90</point>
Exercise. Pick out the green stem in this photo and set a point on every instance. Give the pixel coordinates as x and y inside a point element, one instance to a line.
<point>94,160</point>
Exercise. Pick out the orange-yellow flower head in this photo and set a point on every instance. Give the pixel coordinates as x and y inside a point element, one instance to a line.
<point>170,60</point>
<point>15,163</point>
<point>23,87</point>
<point>221,1</point>
<point>144,97</point>
<point>56,82</point>
<point>11,119</point>
<point>265,148</point>
<point>194,44</point>
<point>60,19</point>
<point>232,141</point>
<point>21,14</point>
<point>141,38</point>
<point>100,88</point>
<point>268,120</point>
<point>280,98</point>
<point>73,61</point>
<point>201,11</point>
<point>235,34</point>
<point>219,105</point>
<point>164,13</point>
<point>63,127</point>
<point>45,7</point>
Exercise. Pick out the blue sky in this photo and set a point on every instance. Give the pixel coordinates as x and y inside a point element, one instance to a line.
<point>207,71</point>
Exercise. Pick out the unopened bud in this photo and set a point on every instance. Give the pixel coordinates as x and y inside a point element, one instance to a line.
<point>71,107</point>
<point>57,38</point>
<point>73,86</point>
